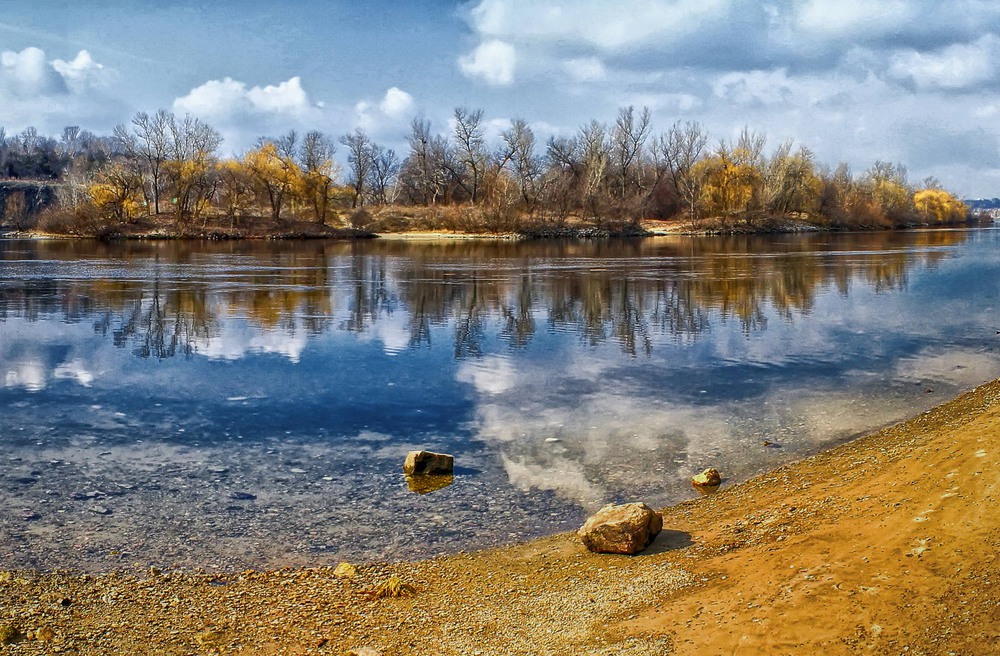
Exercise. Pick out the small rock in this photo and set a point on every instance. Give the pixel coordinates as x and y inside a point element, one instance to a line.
<point>424,463</point>
<point>219,470</point>
<point>100,510</point>
<point>364,651</point>
<point>626,529</point>
<point>45,634</point>
<point>345,571</point>
<point>211,638</point>
<point>708,478</point>
<point>242,496</point>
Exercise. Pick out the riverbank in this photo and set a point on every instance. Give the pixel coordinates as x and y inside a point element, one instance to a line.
<point>453,223</point>
<point>886,545</point>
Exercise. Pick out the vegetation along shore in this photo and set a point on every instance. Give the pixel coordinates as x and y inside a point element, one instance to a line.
<point>163,176</point>
<point>885,545</point>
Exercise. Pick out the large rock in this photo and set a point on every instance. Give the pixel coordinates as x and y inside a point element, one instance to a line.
<point>428,463</point>
<point>624,529</point>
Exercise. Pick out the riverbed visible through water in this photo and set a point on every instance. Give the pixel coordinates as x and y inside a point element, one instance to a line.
<point>250,404</point>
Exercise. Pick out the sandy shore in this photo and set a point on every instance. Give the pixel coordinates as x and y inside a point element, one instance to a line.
<point>886,545</point>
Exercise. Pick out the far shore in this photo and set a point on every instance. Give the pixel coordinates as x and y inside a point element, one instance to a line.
<point>888,544</point>
<point>410,224</point>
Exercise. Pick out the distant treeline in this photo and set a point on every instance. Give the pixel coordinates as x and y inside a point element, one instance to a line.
<point>983,203</point>
<point>165,171</point>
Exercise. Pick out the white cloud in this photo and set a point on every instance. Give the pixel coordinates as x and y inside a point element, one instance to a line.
<point>492,61</point>
<point>395,107</point>
<point>28,74</point>
<point>585,69</point>
<point>50,94</point>
<point>846,17</point>
<point>957,66</point>
<point>227,97</point>
<point>287,97</point>
<point>80,72</point>
<point>608,25</point>
<point>396,103</point>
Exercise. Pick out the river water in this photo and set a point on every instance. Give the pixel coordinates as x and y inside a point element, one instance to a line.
<point>232,405</point>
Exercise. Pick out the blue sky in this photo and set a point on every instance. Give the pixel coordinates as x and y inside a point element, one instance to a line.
<point>855,80</point>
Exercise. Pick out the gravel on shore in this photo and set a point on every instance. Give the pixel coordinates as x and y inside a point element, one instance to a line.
<point>885,545</point>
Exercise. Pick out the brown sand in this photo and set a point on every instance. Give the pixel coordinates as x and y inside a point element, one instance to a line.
<point>885,545</point>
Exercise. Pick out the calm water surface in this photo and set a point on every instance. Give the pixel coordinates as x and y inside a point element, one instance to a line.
<point>250,404</point>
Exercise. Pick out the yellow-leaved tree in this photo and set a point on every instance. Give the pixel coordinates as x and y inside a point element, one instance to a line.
<point>728,189</point>
<point>275,174</point>
<point>939,206</point>
<point>117,192</point>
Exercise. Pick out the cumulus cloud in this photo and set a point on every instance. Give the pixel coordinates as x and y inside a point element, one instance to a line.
<point>28,74</point>
<point>51,93</point>
<point>396,103</point>
<point>220,98</point>
<point>394,107</point>
<point>80,72</point>
<point>492,61</point>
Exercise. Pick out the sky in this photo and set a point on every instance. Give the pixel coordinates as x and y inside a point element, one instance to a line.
<point>854,80</point>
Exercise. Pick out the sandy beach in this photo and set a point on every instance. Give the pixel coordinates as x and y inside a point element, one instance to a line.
<point>885,545</point>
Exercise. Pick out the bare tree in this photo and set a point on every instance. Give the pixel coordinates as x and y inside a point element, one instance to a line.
<point>594,153</point>
<point>384,168</point>
<point>359,160</point>
<point>676,153</point>
<point>471,146</point>
<point>626,148</point>
<point>150,145</point>
<point>418,172</point>
<point>519,156</point>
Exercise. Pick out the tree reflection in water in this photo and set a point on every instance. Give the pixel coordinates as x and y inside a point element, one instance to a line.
<point>164,299</point>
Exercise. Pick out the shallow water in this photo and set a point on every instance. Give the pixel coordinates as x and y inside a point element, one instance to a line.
<point>250,404</point>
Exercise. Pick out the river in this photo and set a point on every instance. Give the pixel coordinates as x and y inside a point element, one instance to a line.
<point>250,404</point>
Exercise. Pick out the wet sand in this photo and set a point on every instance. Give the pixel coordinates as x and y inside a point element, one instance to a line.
<point>886,545</point>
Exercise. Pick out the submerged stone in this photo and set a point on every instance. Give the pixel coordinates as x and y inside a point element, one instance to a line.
<point>428,484</point>
<point>708,478</point>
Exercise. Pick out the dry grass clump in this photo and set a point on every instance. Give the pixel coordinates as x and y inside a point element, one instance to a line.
<point>394,587</point>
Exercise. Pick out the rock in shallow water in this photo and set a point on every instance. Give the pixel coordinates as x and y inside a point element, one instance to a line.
<point>708,478</point>
<point>624,529</point>
<point>428,463</point>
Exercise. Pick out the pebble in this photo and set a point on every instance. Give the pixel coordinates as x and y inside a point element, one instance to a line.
<point>242,496</point>
<point>100,510</point>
